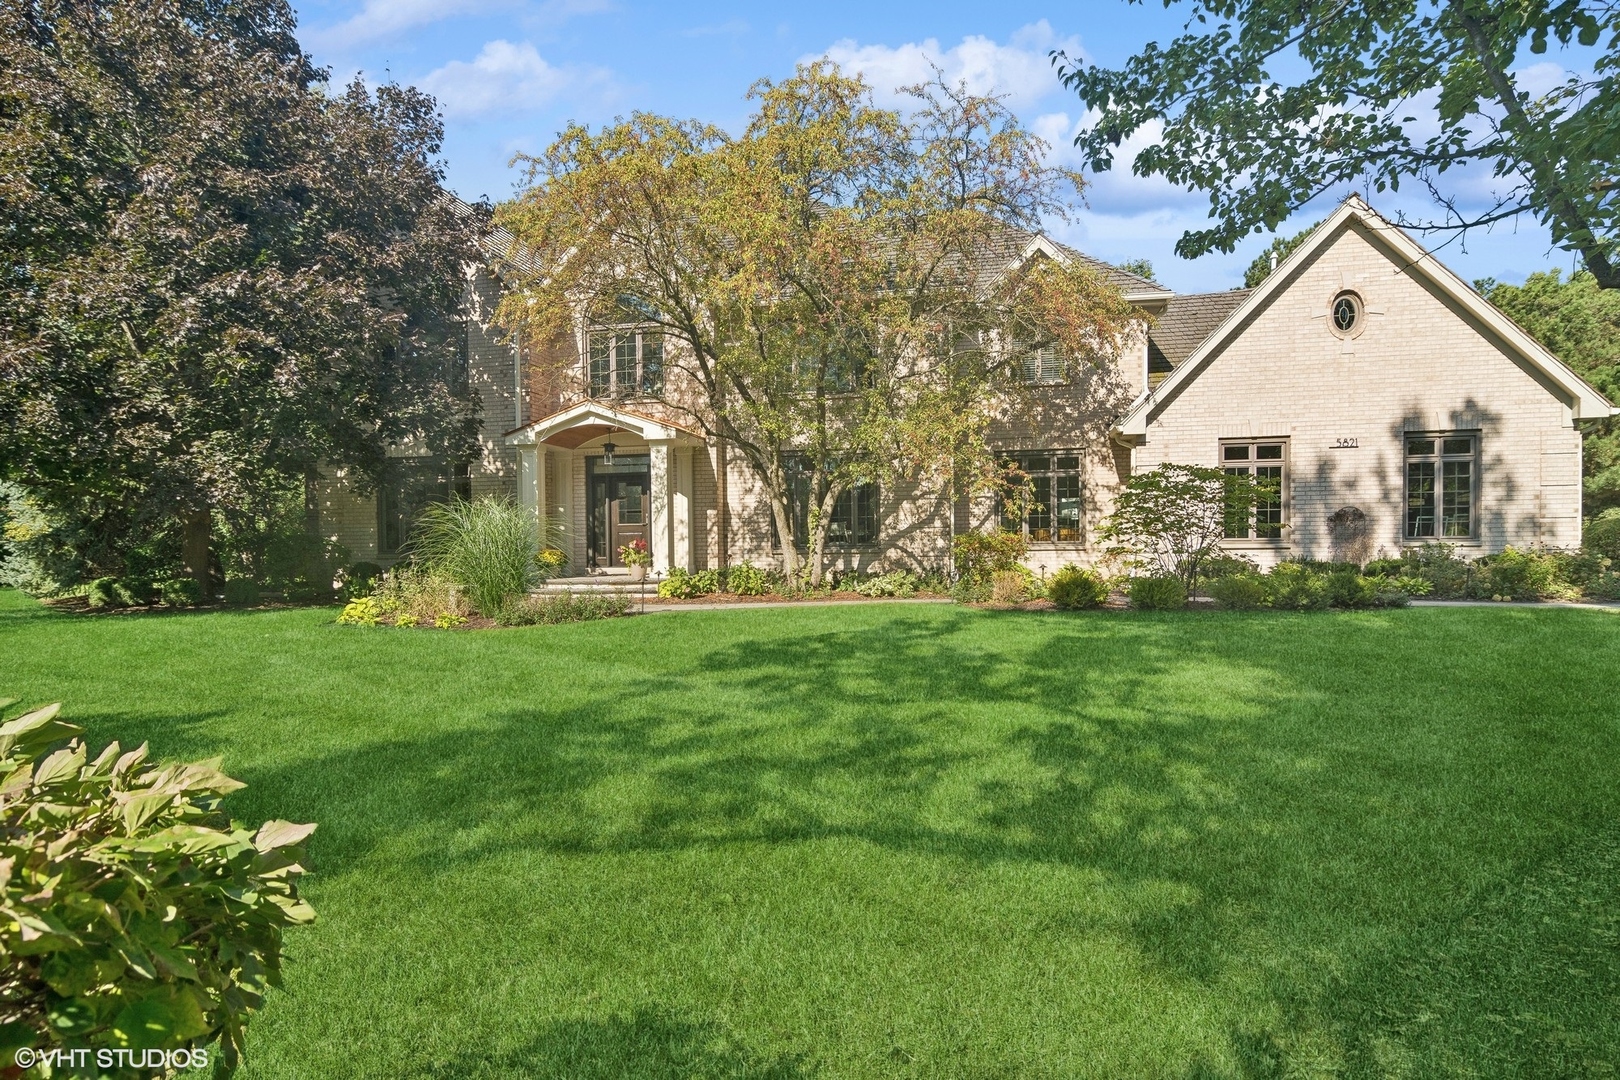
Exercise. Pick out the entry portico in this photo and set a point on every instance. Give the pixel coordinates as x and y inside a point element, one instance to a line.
<point>608,475</point>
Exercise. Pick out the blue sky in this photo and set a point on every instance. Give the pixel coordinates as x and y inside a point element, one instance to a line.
<point>510,73</point>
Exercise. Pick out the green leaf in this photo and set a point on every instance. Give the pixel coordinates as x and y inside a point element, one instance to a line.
<point>275,834</point>
<point>15,1034</point>
<point>145,1024</point>
<point>31,733</point>
<point>71,1016</point>
<point>62,765</point>
<point>143,808</point>
<point>70,972</point>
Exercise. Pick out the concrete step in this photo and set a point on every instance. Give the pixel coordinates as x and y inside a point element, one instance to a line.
<point>619,584</point>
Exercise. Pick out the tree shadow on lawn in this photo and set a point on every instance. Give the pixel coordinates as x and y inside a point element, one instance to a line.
<point>1142,751</point>
<point>648,1044</point>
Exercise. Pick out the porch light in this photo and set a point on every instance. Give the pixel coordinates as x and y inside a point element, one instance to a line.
<point>607,453</point>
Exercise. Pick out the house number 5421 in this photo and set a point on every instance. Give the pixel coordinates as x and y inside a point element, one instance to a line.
<point>1346,444</point>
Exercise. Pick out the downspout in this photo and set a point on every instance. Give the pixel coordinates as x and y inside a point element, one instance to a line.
<point>723,498</point>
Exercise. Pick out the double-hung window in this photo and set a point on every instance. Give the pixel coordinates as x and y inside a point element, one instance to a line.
<point>1049,509</point>
<point>626,363</point>
<point>1265,463</point>
<point>1442,479</point>
<point>1041,364</point>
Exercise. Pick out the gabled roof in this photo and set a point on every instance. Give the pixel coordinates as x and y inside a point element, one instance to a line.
<point>579,424</point>
<point>1184,324</point>
<point>1414,259</point>
<point>1012,247</point>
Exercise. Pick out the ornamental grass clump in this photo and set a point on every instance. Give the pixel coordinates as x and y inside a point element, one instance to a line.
<point>134,914</point>
<point>486,546</point>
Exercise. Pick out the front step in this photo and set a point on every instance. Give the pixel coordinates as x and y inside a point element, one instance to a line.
<point>611,584</point>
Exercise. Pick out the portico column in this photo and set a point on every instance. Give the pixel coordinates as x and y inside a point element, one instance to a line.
<point>542,496</point>
<point>530,496</point>
<point>662,482</point>
<point>682,508</point>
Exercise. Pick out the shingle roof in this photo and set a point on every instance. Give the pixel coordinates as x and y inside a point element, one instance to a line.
<point>1187,320</point>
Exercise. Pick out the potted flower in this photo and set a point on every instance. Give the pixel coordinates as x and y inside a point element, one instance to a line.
<point>636,558</point>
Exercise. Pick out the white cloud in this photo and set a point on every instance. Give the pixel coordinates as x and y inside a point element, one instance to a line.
<point>381,19</point>
<point>504,77</point>
<point>1021,69</point>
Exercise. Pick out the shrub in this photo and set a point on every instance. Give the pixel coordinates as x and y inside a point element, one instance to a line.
<point>1173,519</point>
<point>406,621</point>
<point>305,592</point>
<point>361,611</point>
<point>136,914</point>
<point>1158,593</point>
<point>135,590</point>
<point>1074,587</point>
<point>421,593</point>
<point>894,583</point>
<point>1440,566</point>
<point>180,592</point>
<point>1388,597</point>
<point>241,592</point>
<point>361,577</point>
<point>445,620</point>
<point>104,593</point>
<point>564,607</point>
<point>1579,568</point>
<point>486,546</point>
<point>1348,589</point>
<point>1222,566</point>
<point>1297,587</point>
<point>1602,534</point>
<point>1515,574</point>
<point>1385,568</point>
<point>1010,586</point>
<point>1239,592</point>
<point>1606,587</point>
<point>682,584</point>
<point>972,589</point>
<point>980,554</point>
<point>1411,586</point>
<point>747,579</point>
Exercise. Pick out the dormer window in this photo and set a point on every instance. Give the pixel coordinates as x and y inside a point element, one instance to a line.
<point>626,363</point>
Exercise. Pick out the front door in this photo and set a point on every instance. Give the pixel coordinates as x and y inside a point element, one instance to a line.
<point>619,510</point>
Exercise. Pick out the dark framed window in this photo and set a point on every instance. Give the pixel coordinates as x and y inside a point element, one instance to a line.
<point>835,374</point>
<point>626,363</point>
<point>410,485</point>
<point>1442,485</point>
<point>854,516</point>
<point>1265,463</point>
<point>1049,510</point>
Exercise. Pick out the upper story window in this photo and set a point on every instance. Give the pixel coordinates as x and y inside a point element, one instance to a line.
<point>626,363</point>
<point>1049,511</point>
<point>1265,463</point>
<point>1042,364</point>
<point>1442,482</point>
<point>1347,314</point>
<point>834,374</point>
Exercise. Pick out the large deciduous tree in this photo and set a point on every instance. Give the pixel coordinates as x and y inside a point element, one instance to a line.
<point>1580,323</point>
<point>837,280</point>
<point>215,272</point>
<point>1266,104</point>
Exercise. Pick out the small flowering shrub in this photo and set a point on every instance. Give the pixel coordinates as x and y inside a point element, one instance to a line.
<point>551,562</point>
<point>895,583</point>
<point>635,553</point>
<point>134,914</point>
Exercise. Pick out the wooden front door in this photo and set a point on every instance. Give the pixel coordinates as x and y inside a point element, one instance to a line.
<point>619,509</point>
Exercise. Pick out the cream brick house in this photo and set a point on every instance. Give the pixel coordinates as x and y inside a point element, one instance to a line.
<point>1387,402</point>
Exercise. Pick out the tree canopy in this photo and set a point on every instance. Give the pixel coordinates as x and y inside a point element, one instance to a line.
<point>1580,324</point>
<point>215,272</point>
<point>1266,104</point>
<point>839,279</point>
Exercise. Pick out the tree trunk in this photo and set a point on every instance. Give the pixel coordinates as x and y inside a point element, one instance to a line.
<point>817,544</point>
<point>197,526</point>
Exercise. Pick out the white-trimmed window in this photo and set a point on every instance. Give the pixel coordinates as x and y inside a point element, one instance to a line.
<point>626,363</point>
<point>1442,485</point>
<point>1265,463</point>
<point>1041,364</point>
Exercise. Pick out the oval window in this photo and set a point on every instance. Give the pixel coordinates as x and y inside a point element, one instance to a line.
<point>1345,314</point>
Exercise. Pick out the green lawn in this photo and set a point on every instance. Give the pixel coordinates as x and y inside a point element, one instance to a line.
<point>910,841</point>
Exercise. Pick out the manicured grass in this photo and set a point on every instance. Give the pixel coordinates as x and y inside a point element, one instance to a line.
<point>910,841</point>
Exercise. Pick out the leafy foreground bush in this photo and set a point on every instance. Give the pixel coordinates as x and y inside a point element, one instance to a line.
<point>1158,593</point>
<point>241,592</point>
<point>563,607</point>
<point>1603,534</point>
<point>1297,587</point>
<point>180,592</point>
<point>485,546</point>
<point>1075,587</point>
<point>894,583</point>
<point>1239,592</point>
<point>135,917</point>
